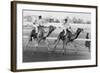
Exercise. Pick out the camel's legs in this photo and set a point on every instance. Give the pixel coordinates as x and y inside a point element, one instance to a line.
<point>29,41</point>
<point>27,44</point>
<point>64,47</point>
<point>37,43</point>
<point>47,43</point>
<point>56,44</point>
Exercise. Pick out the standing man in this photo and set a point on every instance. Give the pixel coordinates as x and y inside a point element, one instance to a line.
<point>87,43</point>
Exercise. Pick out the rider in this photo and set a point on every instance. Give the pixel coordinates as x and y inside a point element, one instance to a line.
<point>37,23</point>
<point>66,25</point>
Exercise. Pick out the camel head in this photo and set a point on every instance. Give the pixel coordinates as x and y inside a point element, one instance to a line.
<point>79,30</point>
<point>51,28</point>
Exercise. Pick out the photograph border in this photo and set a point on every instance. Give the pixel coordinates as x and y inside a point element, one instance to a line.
<point>14,35</point>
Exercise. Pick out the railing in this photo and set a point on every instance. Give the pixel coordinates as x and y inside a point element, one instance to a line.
<point>52,38</point>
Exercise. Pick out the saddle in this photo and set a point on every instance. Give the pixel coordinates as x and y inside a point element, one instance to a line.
<point>33,34</point>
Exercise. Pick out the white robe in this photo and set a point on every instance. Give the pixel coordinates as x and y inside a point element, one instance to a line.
<point>65,26</point>
<point>36,24</point>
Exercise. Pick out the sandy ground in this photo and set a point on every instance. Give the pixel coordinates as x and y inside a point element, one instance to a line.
<point>41,53</point>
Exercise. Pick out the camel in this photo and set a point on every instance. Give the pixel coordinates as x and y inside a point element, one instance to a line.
<point>41,35</point>
<point>68,37</point>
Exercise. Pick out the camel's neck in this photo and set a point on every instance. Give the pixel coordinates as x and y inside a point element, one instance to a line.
<point>77,34</point>
<point>48,34</point>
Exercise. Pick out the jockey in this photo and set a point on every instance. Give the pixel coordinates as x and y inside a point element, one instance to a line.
<point>37,23</point>
<point>66,25</point>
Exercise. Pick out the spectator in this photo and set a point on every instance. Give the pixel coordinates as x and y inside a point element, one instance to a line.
<point>87,43</point>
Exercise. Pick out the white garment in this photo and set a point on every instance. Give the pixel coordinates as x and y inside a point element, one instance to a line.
<point>36,27</point>
<point>39,22</point>
<point>36,24</point>
<point>65,26</point>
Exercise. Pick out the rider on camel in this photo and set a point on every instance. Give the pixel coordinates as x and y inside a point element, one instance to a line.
<point>37,23</point>
<point>67,26</point>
